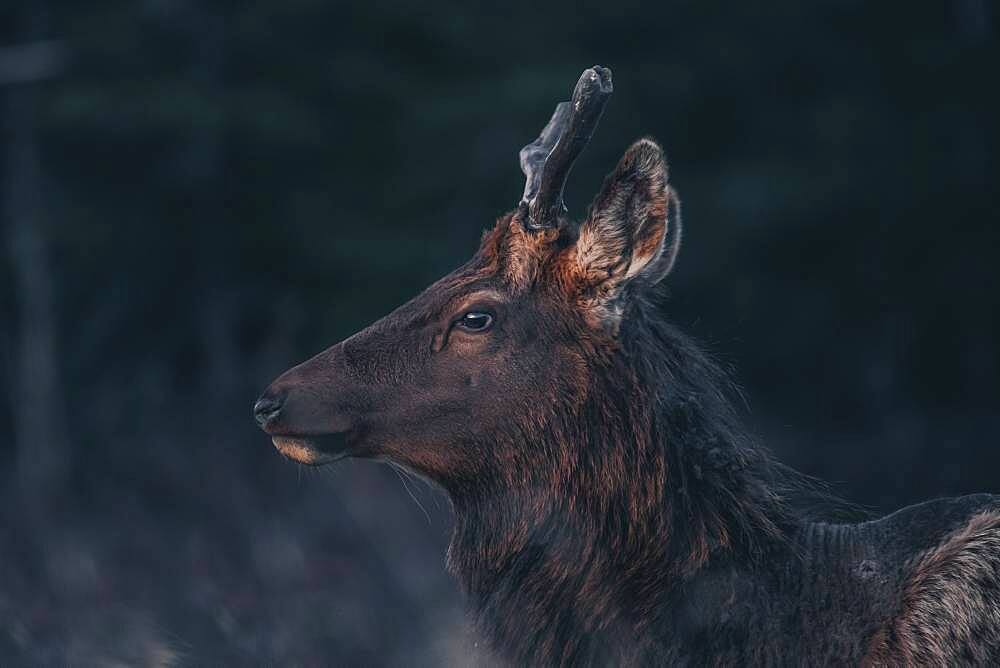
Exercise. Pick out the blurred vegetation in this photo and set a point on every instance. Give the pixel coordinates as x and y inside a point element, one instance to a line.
<point>197,195</point>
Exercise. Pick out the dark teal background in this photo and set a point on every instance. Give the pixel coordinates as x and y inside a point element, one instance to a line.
<point>211,192</point>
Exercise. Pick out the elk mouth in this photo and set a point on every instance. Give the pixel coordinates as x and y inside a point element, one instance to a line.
<point>313,450</point>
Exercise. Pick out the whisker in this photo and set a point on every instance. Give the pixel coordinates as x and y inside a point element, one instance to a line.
<point>399,474</point>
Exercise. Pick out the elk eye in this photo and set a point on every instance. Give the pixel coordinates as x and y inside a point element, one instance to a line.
<point>475,321</point>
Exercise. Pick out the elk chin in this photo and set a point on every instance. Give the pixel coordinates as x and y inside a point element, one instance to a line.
<point>312,450</point>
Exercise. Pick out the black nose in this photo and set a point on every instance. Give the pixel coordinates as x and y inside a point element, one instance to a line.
<point>267,409</point>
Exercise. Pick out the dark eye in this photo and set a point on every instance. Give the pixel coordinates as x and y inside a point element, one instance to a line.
<point>475,321</point>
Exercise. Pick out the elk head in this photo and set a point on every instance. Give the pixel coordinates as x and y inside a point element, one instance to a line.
<point>463,383</point>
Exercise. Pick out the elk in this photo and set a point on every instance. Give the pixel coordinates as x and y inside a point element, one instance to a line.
<point>609,507</point>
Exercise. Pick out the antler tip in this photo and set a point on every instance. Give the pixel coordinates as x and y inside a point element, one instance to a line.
<point>594,84</point>
<point>600,76</point>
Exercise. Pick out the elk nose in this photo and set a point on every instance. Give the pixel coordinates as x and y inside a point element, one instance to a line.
<point>267,409</point>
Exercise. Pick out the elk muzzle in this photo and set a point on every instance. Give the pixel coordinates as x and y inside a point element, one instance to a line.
<point>307,411</point>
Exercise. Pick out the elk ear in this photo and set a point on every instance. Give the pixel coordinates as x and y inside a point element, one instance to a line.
<point>632,232</point>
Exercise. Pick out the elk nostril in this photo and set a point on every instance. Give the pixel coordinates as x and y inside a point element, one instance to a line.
<point>266,410</point>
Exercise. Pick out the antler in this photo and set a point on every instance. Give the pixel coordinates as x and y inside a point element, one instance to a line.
<point>547,161</point>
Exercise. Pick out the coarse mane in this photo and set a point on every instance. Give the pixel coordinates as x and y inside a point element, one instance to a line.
<point>634,488</point>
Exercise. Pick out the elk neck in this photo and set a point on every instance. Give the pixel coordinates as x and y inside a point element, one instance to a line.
<point>648,486</point>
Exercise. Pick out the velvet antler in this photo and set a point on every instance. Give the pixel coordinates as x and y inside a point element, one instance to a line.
<point>547,161</point>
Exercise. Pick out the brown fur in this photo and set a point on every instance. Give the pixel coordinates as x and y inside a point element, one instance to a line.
<point>949,612</point>
<point>610,509</point>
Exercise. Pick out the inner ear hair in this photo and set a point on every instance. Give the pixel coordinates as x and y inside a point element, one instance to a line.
<point>624,233</point>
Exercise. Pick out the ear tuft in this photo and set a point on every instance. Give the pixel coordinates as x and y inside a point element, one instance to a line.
<point>624,237</point>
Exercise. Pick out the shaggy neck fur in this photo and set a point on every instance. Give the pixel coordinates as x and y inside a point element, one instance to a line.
<point>645,486</point>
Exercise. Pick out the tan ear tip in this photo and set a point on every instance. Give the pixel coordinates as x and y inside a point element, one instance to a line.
<point>646,154</point>
<point>648,141</point>
<point>646,145</point>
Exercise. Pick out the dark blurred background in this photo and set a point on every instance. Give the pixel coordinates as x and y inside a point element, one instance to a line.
<point>197,195</point>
